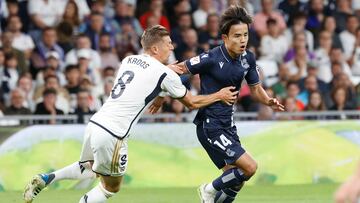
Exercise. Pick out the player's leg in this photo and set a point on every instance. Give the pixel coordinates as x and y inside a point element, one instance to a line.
<point>247,165</point>
<point>78,170</point>
<point>106,188</point>
<point>223,147</point>
<point>110,162</point>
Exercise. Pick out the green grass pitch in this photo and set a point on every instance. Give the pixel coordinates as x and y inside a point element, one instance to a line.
<point>321,193</point>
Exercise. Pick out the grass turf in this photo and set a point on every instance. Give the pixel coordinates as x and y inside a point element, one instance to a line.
<point>320,193</point>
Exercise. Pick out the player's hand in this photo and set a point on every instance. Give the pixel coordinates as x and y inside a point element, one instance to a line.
<point>176,68</point>
<point>275,105</point>
<point>156,105</point>
<point>348,192</point>
<point>228,95</point>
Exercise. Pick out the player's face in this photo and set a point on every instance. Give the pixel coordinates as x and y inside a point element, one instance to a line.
<point>237,39</point>
<point>165,47</point>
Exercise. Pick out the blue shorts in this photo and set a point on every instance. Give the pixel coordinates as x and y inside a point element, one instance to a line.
<point>222,145</point>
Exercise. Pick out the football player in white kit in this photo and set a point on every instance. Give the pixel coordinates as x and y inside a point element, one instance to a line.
<point>140,79</point>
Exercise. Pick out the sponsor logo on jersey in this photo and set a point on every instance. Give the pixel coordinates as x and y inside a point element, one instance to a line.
<point>205,56</point>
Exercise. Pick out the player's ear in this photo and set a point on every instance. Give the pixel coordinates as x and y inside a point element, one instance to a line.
<point>154,49</point>
<point>224,37</point>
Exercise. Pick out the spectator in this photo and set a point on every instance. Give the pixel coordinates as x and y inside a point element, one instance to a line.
<point>354,59</point>
<point>21,41</point>
<point>71,14</point>
<point>313,70</point>
<point>299,41</point>
<point>339,96</point>
<point>279,87</point>
<point>290,8</point>
<point>83,106</point>
<point>124,10</point>
<point>25,83</point>
<point>211,37</point>
<point>65,36</point>
<point>155,13</point>
<point>310,85</point>
<point>342,10</point>
<point>9,76</point>
<point>47,107</point>
<point>43,14</point>
<point>2,58</point>
<point>298,66</point>
<point>330,25</point>
<point>72,74</point>
<point>265,113</point>
<point>53,66</point>
<point>260,18</point>
<point>322,55</point>
<point>47,44</point>
<point>178,108</point>
<point>337,56</point>
<point>127,41</point>
<point>273,39</point>
<point>299,27</point>
<point>190,43</point>
<point>108,84</point>
<point>184,22</point>
<point>17,104</point>
<point>63,98</point>
<point>348,36</point>
<point>83,42</point>
<point>290,104</point>
<point>107,52</point>
<point>292,91</point>
<point>200,15</point>
<point>84,66</point>
<point>7,39</point>
<point>316,103</point>
<point>316,16</point>
<point>177,8</point>
<point>95,27</point>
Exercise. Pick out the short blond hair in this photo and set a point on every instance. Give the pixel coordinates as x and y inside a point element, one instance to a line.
<point>153,35</point>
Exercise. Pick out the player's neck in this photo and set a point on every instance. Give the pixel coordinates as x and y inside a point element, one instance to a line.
<point>233,55</point>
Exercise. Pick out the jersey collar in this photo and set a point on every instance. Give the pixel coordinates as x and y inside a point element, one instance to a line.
<point>227,55</point>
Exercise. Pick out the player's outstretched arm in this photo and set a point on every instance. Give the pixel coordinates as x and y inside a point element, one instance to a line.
<point>179,68</point>
<point>349,191</point>
<point>226,95</point>
<point>258,92</point>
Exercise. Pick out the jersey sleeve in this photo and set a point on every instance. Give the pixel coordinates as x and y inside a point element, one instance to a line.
<point>252,76</point>
<point>198,64</point>
<point>173,86</point>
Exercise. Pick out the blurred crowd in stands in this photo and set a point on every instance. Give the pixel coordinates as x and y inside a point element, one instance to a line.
<point>61,56</point>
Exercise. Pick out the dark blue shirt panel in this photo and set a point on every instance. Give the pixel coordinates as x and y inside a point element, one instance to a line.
<point>218,70</point>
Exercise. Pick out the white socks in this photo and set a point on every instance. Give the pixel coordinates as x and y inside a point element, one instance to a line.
<point>77,170</point>
<point>210,188</point>
<point>97,195</point>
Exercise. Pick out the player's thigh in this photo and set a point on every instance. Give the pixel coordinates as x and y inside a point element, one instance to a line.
<point>111,183</point>
<point>110,153</point>
<point>222,145</point>
<point>86,151</point>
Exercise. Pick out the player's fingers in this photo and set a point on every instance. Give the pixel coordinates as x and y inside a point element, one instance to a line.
<point>235,93</point>
<point>173,63</point>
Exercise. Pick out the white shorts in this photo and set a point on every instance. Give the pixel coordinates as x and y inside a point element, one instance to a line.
<point>108,152</point>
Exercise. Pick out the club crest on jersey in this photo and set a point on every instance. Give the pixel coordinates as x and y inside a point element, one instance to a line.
<point>205,56</point>
<point>195,60</point>
<point>221,64</point>
<point>244,63</point>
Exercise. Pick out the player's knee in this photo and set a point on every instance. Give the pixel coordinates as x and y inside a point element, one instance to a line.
<point>250,169</point>
<point>112,187</point>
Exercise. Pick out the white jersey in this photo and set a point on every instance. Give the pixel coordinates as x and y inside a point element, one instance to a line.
<point>139,80</point>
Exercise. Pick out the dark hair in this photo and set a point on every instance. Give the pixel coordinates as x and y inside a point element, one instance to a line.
<point>153,35</point>
<point>48,91</point>
<point>71,67</point>
<point>232,16</point>
<point>271,21</point>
